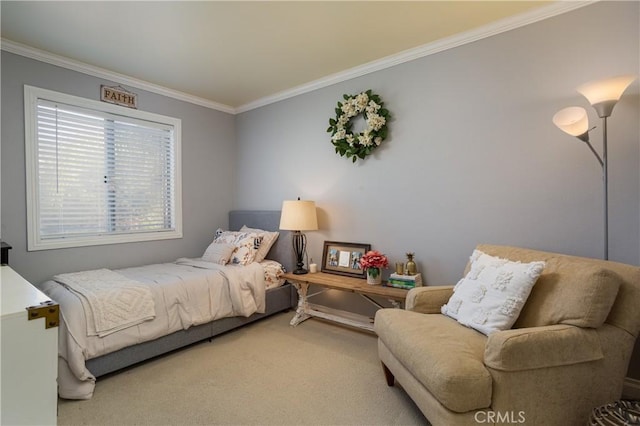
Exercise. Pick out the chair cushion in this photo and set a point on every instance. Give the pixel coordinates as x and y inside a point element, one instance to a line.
<point>446,357</point>
<point>571,290</point>
<point>581,294</point>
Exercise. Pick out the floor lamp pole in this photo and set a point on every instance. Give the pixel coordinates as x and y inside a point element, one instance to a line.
<point>606,188</point>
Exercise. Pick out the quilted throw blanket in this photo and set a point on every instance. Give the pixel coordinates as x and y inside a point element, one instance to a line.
<point>111,301</point>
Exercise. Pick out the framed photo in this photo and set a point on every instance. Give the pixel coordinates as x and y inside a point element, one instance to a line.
<point>344,258</point>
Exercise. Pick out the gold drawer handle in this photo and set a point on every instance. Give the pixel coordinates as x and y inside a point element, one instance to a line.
<point>48,310</point>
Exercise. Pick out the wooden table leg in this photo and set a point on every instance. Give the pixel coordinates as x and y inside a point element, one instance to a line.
<point>301,311</point>
<point>395,303</point>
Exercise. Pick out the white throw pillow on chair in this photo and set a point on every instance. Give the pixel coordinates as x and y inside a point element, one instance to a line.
<point>490,297</point>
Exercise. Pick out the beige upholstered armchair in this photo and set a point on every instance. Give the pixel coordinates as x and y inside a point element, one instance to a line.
<point>567,353</point>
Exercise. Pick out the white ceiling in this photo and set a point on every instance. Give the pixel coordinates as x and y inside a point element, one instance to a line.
<point>242,53</point>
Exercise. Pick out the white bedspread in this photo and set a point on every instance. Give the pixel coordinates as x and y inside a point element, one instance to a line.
<point>185,293</point>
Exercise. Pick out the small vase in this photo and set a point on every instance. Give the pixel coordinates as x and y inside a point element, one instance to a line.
<point>374,276</point>
<point>411,265</point>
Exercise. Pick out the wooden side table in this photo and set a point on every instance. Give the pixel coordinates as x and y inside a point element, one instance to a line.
<point>305,310</point>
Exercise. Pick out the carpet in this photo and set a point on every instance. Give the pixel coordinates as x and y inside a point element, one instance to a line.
<point>266,373</point>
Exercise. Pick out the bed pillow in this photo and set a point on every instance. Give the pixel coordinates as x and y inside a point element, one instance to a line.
<point>246,250</point>
<point>268,239</point>
<point>272,273</point>
<point>219,253</point>
<point>233,237</point>
<point>246,243</point>
<point>490,297</point>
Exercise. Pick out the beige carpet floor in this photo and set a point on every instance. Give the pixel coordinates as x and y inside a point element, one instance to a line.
<point>267,373</point>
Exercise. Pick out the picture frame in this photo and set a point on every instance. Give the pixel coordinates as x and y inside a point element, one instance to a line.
<point>344,258</point>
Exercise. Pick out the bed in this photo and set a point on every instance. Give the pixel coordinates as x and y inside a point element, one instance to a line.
<point>208,299</point>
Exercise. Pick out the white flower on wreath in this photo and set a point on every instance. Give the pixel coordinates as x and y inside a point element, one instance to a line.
<point>366,138</point>
<point>361,102</point>
<point>375,121</point>
<point>340,134</point>
<point>372,107</point>
<point>349,108</point>
<point>350,139</point>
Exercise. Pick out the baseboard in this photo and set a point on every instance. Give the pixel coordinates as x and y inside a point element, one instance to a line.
<point>631,388</point>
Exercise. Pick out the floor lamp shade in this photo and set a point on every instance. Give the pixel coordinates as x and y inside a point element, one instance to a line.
<point>572,120</point>
<point>604,94</point>
<point>299,216</point>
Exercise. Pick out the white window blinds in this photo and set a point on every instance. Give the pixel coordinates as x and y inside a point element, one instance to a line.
<point>101,176</point>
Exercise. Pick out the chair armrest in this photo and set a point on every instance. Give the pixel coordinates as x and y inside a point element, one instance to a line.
<point>541,347</point>
<point>428,300</point>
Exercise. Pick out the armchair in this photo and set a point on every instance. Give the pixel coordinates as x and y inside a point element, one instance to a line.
<point>567,353</point>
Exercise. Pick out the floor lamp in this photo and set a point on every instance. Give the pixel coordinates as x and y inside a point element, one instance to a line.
<point>299,216</point>
<point>603,96</point>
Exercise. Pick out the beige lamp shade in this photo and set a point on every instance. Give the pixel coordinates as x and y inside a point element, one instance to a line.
<point>298,215</point>
<point>604,94</point>
<point>572,120</point>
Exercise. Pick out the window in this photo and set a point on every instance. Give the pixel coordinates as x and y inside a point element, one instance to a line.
<point>99,173</point>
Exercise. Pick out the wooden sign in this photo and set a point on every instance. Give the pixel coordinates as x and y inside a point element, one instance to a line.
<point>119,96</point>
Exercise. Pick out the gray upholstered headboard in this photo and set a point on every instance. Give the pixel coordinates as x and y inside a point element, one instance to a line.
<point>269,220</point>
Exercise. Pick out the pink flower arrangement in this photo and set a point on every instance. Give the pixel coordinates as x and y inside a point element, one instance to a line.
<point>373,259</point>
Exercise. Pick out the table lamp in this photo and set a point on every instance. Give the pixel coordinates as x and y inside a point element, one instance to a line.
<point>299,216</point>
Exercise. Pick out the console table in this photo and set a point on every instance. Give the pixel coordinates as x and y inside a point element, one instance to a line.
<point>305,310</point>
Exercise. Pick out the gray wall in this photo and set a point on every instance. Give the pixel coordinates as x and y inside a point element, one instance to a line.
<point>208,156</point>
<point>473,155</point>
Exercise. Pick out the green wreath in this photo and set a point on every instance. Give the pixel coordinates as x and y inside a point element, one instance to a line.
<point>361,144</point>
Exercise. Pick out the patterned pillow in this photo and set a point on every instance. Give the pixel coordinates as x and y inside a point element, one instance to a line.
<point>246,243</point>
<point>490,297</point>
<point>230,237</point>
<point>268,239</point>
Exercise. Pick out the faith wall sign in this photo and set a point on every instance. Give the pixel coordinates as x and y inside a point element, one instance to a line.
<point>119,96</point>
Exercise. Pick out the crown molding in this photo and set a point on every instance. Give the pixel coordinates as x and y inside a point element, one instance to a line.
<point>507,24</point>
<point>61,61</point>
<point>485,31</point>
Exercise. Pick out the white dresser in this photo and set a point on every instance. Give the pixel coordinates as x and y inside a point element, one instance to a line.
<point>28,353</point>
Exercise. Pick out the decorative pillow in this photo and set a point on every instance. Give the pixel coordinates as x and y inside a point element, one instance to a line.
<point>268,239</point>
<point>246,243</point>
<point>219,253</point>
<point>272,273</point>
<point>490,297</point>
<point>231,237</point>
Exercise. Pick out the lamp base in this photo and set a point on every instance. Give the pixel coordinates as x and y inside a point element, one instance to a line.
<point>299,246</point>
